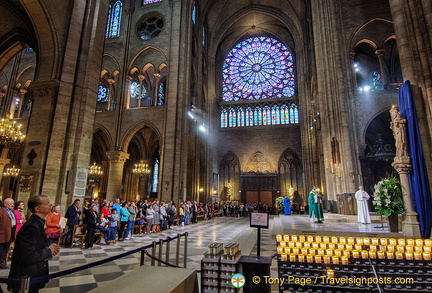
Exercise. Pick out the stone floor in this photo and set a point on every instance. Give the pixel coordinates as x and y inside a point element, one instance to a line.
<point>224,229</point>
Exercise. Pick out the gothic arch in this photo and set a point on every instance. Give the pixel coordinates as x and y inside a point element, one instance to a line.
<point>129,134</point>
<point>290,173</point>
<point>229,174</point>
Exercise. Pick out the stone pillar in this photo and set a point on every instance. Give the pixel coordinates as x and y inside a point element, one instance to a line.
<point>3,163</point>
<point>110,94</point>
<point>410,226</point>
<point>115,174</point>
<point>380,54</point>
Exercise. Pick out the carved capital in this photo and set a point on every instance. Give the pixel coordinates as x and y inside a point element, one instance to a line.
<point>45,88</point>
<point>117,156</point>
<point>380,52</point>
<point>4,161</point>
<point>110,81</point>
<point>402,164</point>
<point>141,77</point>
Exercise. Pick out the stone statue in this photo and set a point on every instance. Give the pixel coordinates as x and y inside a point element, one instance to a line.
<point>397,125</point>
<point>225,195</point>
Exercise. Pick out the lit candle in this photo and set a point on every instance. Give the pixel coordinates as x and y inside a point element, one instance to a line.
<point>279,238</point>
<point>390,248</point>
<point>329,252</point>
<point>418,248</point>
<point>338,253</point>
<point>331,246</point>
<point>349,247</point>
<point>383,247</point>
<point>351,240</point>
<point>390,255</point>
<point>428,242</point>
<point>399,255</point>
<point>292,257</point>
<point>315,245</point>
<point>417,255</point>
<point>301,258</point>
<point>306,245</point>
<point>321,252</point>
<point>312,251</point>
<point>427,249</point>
<point>286,238</point>
<point>326,239</point>
<point>383,241</point>
<point>401,241</point>
<point>296,251</point>
<point>364,254</point>
<point>302,238</point>
<point>372,254</point>
<point>310,258</point>
<point>318,258</point>
<point>335,240</point>
<point>366,241</point>
<point>408,255</point>
<point>410,242</point>
<point>310,239</point>
<point>299,244</point>
<point>355,254</point>
<point>304,251</point>
<point>342,240</point>
<point>400,248</point>
<point>392,241</point>
<point>373,247</point>
<point>381,254</point>
<point>280,250</point>
<point>341,246</point>
<point>323,246</point>
<point>344,260</point>
<point>284,257</point>
<point>326,259</point>
<point>419,242</point>
<point>375,241</point>
<point>294,238</point>
<point>287,250</point>
<point>335,260</point>
<point>346,253</point>
<point>282,244</point>
<point>358,247</point>
<point>318,239</point>
<point>409,248</point>
<point>426,256</point>
<point>291,244</point>
<point>330,274</point>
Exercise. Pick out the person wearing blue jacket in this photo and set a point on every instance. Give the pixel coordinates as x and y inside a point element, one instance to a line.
<point>124,218</point>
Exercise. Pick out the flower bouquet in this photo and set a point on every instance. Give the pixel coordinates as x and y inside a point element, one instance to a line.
<point>387,197</point>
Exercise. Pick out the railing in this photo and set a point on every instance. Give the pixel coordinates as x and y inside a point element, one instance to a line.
<point>25,282</point>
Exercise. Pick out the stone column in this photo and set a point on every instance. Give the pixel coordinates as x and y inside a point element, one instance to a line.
<point>410,226</point>
<point>115,174</point>
<point>110,94</point>
<point>156,88</point>
<point>380,54</point>
<point>3,163</point>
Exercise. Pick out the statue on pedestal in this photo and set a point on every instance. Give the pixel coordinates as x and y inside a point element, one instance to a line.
<point>398,126</point>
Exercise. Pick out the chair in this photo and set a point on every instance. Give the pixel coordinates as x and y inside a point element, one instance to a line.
<point>78,232</point>
<point>176,219</point>
<point>200,216</point>
<point>139,228</point>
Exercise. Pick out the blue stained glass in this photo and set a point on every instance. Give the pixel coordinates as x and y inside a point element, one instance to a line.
<point>114,19</point>
<point>266,116</point>
<point>103,94</point>
<point>240,117</point>
<point>257,116</point>
<point>161,93</point>
<point>203,36</point>
<point>284,114</point>
<point>232,117</point>
<point>249,117</point>
<point>155,175</point>
<point>194,14</point>
<point>150,1</point>
<point>258,68</point>
<point>293,114</point>
<point>275,115</point>
<point>134,90</point>
<point>224,118</point>
<point>28,49</point>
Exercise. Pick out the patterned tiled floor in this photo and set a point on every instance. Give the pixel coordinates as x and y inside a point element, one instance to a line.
<point>225,230</point>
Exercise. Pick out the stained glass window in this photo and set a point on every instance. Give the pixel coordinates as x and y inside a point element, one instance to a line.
<point>376,80</point>
<point>155,175</point>
<point>266,115</point>
<point>232,117</point>
<point>161,93</point>
<point>114,19</point>
<point>103,93</point>
<point>224,118</point>
<point>275,114</point>
<point>284,114</point>
<point>28,49</point>
<point>257,116</point>
<point>194,14</point>
<point>258,68</point>
<point>150,1</point>
<point>240,117</point>
<point>293,114</point>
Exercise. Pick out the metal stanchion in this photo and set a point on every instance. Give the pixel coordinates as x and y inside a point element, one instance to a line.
<point>185,249</point>
<point>167,256</point>
<point>153,253</point>
<point>178,249</point>
<point>142,257</point>
<point>25,285</point>
<point>160,251</point>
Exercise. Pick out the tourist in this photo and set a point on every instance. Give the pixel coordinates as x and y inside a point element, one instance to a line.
<point>53,227</point>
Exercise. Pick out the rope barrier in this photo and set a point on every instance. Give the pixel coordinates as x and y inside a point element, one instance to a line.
<point>161,261</point>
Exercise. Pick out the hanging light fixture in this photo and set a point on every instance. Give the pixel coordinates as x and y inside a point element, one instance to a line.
<point>10,132</point>
<point>141,169</point>
<point>11,172</point>
<point>95,171</point>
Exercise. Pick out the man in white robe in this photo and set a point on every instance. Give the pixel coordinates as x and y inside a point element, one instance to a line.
<point>362,206</point>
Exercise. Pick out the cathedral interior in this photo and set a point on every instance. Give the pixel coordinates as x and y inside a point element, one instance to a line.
<point>205,100</point>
